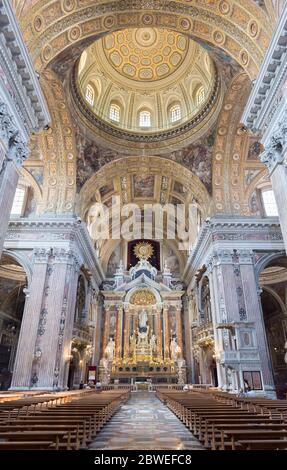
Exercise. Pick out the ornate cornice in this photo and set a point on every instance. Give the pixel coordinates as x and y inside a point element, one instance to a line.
<point>21,86</point>
<point>50,236</point>
<point>221,236</point>
<point>266,96</point>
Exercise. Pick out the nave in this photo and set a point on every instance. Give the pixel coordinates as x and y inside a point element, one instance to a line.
<point>119,419</point>
<point>145,423</point>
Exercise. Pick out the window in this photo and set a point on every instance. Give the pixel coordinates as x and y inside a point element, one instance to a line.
<point>200,96</point>
<point>90,95</point>
<point>145,119</point>
<point>18,202</point>
<point>115,113</point>
<point>269,202</point>
<point>175,113</point>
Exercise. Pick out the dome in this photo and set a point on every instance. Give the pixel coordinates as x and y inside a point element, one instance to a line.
<point>145,81</point>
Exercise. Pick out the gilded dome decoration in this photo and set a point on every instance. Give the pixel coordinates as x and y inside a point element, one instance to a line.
<point>145,83</point>
<point>145,54</point>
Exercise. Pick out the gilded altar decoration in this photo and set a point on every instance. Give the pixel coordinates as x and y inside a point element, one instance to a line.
<point>143,297</point>
<point>143,250</point>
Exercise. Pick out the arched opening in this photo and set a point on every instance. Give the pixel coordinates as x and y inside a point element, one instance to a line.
<point>13,280</point>
<point>175,113</point>
<point>115,112</point>
<point>273,281</point>
<point>81,345</point>
<point>144,118</point>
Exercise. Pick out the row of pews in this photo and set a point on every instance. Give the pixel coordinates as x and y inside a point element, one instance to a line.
<point>62,421</point>
<point>224,422</point>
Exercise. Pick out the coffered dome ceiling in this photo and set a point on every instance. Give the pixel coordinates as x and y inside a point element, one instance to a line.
<point>146,54</point>
<point>146,70</point>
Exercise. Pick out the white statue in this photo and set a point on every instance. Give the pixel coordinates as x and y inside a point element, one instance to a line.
<point>285,357</point>
<point>143,319</point>
<point>110,349</point>
<point>175,350</point>
<point>153,342</point>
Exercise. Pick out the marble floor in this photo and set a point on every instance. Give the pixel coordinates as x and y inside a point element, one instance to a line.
<point>144,423</point>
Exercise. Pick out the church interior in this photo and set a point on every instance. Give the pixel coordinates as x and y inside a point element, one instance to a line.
<point>143,224</point>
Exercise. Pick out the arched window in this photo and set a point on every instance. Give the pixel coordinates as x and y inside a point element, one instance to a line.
<point>18,203</point>
<point>269,203</point>
<point>145,119</point>
<point>175,113</point>
<point>115,112</point>
<point>90,94</point>
<point>200,96</point>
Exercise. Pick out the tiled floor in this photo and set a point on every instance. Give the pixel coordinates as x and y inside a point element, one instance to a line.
<point>144,423</point>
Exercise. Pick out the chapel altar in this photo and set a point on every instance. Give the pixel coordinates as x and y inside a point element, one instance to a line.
<point>143,327</point>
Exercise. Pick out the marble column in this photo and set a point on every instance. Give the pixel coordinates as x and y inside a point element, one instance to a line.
<point>43,361</point>
<point>234,300</point>
<point>275,158</point>
<point>98,323</point>
<point>254,314</point>
<point>106,328</point>
<point>179,330</point>
<point>158,324</point>
<point>13,152</point>
<point>119,333</point>
<point>126,334</point>
<point>188,315</point>
<point>166,334</point>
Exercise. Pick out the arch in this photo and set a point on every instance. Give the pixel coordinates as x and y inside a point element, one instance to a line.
<point>228,194</point>
<point>175,112</point>
<point>144,117</point>
<point>116,111</point>
<point>91,94</point>
<point>277,298</point>
<point>200,96</point>
<point>131,292</point>
<point>22,261</point>
<point>124,165</point>
<point>59,146</point>
<point>265,261</point>
<point>240,23</point>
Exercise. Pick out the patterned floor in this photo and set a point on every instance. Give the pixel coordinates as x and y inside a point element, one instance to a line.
<point>144,423</point>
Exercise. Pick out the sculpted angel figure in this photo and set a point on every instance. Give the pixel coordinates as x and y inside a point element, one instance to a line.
<point>110,349</point>
<point>175,350</point>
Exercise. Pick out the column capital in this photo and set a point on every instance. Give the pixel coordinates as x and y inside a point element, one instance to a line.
<point>275,149</point>
<point>219,257</point>
<point>17,147</point>
<point>41,255</point>
<point>245,256</point>
<point>272,155</point>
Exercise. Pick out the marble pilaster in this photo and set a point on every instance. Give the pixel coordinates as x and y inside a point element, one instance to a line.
<point>166,333</point>
<point>43,363</point>
<point>179,331</point>
<point>119,333</point>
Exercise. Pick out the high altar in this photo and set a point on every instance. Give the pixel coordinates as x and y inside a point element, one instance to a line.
<point>143,328</point>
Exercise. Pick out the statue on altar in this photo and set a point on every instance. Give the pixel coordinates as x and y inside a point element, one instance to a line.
<point>143,319</point>
<point>175,350</point>
<point>110,349</point>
